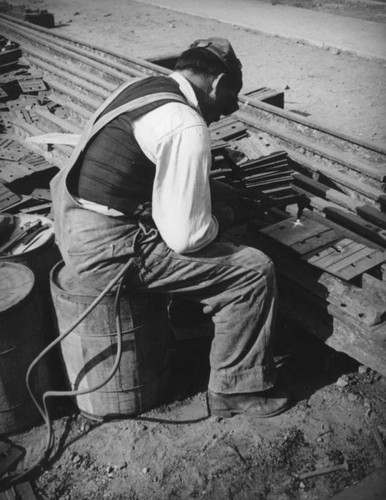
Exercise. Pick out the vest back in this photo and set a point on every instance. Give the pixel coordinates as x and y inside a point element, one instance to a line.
<point>112,170</point>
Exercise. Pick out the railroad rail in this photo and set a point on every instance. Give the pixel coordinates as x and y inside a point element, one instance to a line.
<point>343,178</point>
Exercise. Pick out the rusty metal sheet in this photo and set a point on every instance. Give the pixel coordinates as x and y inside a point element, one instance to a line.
<point>322,247</point>
<point>329,256</point>
<point>7,198</point>
<point>228,130</point>
<point>358,264</point>
<point>315,242</point>
<point>28,115</point>
<point>41,194</point>
<point>36,162</point>
<point>277,157</point>
<point>12,170</point>
<point>10,149</point>
<point>4,119</point>
<point>291,232</point>
<point>6,142</point>
<point>31,84</point>
<point>11,155</point>
<point>8,78</point>
<point>347,259</point>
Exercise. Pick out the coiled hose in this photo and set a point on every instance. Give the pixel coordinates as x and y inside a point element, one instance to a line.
<point>10,480</point>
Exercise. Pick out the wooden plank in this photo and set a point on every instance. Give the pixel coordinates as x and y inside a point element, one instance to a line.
<point>369,308</point>
<point>356,223</point>
<point>371,231</point>
<point>373,215</point>
<point>374,287</point>
<point>323,192</point>
<point>342,183</point>
<point>334,327</point>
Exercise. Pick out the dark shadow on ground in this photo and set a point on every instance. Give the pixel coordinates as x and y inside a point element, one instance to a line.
<point>304,362</point>
<point>308,364</point>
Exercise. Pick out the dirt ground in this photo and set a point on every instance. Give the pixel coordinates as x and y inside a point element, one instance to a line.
<point>176,451</point>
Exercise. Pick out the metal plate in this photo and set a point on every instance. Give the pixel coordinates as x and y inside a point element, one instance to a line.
<point>228,130</point>
<point>7,198</point>
<point>347,259</point>
<point>12,170</point>
<point>294,234</point>
<point>36,162</point>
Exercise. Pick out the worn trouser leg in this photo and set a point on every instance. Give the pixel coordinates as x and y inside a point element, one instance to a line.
<point>236,285</point>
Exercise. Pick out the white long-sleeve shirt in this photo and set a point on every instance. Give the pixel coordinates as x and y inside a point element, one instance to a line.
<point>176,139</point>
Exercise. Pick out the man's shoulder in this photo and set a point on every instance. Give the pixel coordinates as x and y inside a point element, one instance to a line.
<point>178,117</point>
<point>170,120</point>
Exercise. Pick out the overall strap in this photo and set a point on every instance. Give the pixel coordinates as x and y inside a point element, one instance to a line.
<point>94,125</point>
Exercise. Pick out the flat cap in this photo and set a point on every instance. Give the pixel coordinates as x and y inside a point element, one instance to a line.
<point>221,48</point>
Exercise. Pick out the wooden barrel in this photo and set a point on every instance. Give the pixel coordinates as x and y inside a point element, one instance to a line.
<point>40,255</point>
<point>21,340</point>
<point>89,351</point>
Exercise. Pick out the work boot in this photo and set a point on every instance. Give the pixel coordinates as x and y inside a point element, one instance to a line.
<point>263,404</point>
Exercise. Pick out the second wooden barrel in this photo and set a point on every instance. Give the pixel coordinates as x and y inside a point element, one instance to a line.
<point>21,340</point>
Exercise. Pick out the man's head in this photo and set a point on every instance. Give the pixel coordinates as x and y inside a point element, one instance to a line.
<point>212,67</point>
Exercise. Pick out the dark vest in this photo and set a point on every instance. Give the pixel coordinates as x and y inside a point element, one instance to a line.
<point>113,171</point>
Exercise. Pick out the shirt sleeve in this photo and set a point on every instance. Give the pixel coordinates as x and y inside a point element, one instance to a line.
<point>182,207</point>
<point>176,139</point>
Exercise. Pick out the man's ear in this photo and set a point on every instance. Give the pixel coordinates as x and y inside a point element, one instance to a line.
<point>216,81</point>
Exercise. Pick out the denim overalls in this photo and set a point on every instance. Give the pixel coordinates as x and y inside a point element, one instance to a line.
<point>236,284</point>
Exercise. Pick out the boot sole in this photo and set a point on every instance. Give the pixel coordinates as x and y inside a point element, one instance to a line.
<point>228,413</point>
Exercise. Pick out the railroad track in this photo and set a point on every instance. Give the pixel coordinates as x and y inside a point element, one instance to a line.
<point>344,179</point>
<point>82,76</point>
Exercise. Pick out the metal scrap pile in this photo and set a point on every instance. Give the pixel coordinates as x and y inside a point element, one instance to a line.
<point>24,173</point>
